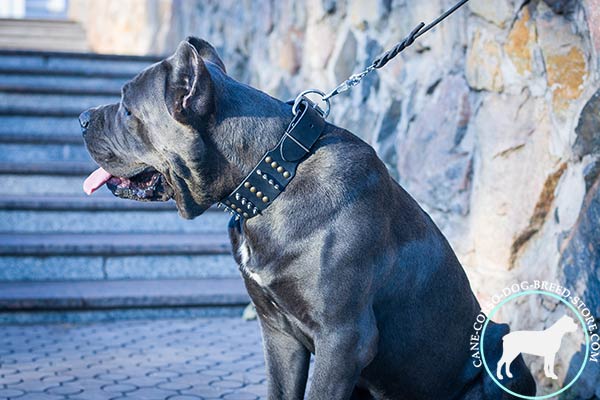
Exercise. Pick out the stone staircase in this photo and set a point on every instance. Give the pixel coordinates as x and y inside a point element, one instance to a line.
<point>66,256</point>
<point>42,34</point>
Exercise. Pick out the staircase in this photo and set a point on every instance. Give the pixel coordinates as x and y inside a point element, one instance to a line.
<point>42,34</point>
<point>65,256</point>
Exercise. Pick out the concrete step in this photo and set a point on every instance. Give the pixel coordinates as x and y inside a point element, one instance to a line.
<point>41,179</point>
<point>43,152</point>
<point>60,84</point>
<point>43,184</point>
<point>73,64</point>
<point>40,27</point>
<point>50,104</point>
<point>42,35</point>
<point>82,202</point>
<point>76,257</point>
<point>73,168</point>
<point>99,295</point>
<point>109,221</point>
<point>57,43</point>
<point>17,128</point>
<point>113,244</point>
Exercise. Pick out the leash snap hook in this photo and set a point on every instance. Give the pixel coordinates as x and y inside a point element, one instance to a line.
<point>302,96</point>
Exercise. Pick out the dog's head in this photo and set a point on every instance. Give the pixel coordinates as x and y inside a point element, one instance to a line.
<point>567,324</point>
<point>156,143</point>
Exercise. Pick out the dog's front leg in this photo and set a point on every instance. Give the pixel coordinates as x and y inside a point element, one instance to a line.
<point>340,356</point>
<point>287,364</point>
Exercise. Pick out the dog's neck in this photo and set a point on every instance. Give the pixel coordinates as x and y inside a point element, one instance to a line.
<point>241,108</point>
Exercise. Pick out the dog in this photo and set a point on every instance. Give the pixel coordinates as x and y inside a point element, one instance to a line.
<point>344,264</point>
<point>544,343</point>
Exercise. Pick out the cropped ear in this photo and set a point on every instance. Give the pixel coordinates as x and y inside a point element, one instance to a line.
<point>206,51</point>
<point>189,91</point>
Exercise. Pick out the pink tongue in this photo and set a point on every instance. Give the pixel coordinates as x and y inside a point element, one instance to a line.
<point>96,179</point>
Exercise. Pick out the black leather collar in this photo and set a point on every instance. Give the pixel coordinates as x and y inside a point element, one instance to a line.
<point>277,167</point>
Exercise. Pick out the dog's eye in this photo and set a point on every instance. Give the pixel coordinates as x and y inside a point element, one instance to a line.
<point>127,112</point>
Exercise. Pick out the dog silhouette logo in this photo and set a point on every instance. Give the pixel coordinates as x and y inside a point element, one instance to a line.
<point>544,343</point>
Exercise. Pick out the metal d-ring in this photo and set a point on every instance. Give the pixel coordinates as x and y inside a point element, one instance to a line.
<point>302,95</point>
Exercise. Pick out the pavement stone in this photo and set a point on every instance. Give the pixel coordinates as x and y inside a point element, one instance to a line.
<point>202,358</point>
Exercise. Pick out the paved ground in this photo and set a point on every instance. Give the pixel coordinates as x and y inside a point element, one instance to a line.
<point>208,358</point>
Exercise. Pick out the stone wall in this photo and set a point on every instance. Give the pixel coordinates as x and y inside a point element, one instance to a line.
<point>491,121</point>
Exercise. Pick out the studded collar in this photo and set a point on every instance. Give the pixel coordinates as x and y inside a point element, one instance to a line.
<point>277,167</point>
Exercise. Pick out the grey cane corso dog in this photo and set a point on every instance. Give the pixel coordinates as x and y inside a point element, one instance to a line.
<point>344,264</point>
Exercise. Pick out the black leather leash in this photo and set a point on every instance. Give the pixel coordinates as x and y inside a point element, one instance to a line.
<point>277,167</point>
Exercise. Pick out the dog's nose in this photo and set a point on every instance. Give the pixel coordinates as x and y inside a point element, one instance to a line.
<point>84,120</point>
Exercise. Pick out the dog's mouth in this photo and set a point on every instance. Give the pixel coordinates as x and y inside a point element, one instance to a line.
<point>148,185</point>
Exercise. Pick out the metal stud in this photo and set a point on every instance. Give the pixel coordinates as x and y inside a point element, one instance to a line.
<point>246,215</point>
<point>239,210</point>
<point>237,217</point>
<point>286,174</point>
<point>243,201</point>
<point>265,199</point>
<point>258,171</point>
<point>255,211</point>
<point>238,196</point>
<point>280,169</point>
<point>268,159</point>
<point>259,194</point>
<point>249,206</point>
<point>271,182</point>
<point>274,164</point>
<point>219,205</point>
<point>253,189</point>
<point>247,184</point>
<point>265,177</point>
<point>276,187</point>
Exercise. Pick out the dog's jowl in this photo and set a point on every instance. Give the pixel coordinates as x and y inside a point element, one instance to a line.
<point>343,264</point>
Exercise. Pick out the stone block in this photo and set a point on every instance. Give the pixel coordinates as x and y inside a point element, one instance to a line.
<point>484,58</point>
<point>499,12</point>
<point>520,43</point>
<point>344,59</point>
<point>433,163</point>
<point>564,57</point>
<point>588,126</point>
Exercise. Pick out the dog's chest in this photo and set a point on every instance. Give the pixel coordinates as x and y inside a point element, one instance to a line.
<point>280,304</point>
<point>244,254</point>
